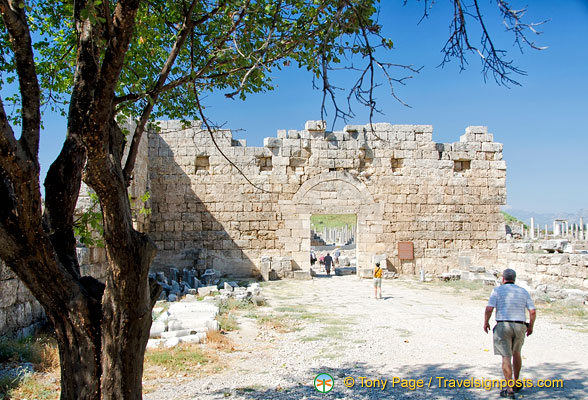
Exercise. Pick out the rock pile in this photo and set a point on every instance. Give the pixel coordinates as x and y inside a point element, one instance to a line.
<point>185,282</point>
<point>188,320</point>
<point>541,292</point>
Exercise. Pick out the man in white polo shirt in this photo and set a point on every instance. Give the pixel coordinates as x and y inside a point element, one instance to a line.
<point>510,302</point>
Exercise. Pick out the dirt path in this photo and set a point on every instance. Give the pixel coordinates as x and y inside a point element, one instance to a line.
<point>423,332</point>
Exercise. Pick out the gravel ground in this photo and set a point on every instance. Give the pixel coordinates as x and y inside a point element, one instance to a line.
<point>425,332</point>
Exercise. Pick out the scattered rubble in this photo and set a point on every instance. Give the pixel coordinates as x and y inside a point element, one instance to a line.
<point>187,319</point>
<point>541,292</point>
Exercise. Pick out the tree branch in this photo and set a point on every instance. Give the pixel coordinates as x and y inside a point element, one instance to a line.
<point>140,128</point>
<point>9,146</point>
<point>15,20</point>
<point>211,133</point>
<point>62,187</point>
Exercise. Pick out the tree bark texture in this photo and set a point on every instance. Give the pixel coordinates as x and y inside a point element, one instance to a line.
<point>102,330</point>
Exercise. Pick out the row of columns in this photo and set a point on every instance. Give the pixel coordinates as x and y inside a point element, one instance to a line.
<point>339,236</point>
<point>561,229</point>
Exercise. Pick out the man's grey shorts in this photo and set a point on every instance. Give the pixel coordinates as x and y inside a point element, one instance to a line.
<point>508,338</point>
<point>377,282</point>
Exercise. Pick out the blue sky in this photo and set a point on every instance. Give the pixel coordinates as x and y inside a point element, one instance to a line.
<point>543,123</point>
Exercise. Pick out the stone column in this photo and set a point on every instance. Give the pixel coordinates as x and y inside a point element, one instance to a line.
<point>554,229</point>
<point>582,237</point>
<point>546,233</point>
<point>532,228</point>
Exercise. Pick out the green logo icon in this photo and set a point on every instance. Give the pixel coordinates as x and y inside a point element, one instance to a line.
<point>324,383</point>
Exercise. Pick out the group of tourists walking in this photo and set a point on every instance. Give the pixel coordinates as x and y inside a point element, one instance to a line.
<point>327,261</point>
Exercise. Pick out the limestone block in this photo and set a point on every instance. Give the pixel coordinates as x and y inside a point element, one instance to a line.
<point>270,142</point>
<point>38,311</point>
<point>579,259</point>
<point>559,259</point>
<point>157,328</point>
<point>476,129</point>
<point>24,315</point>
<point>341,271</point>
<point>179,333</point>
<point>9,292</point>
<point>301,275</point>
<point>354,128</point>
<point>23,294</point>
<point>315,125</point>
<point>199,337</point>
<point>169,343</point>
<point>3,325</point>
<point>83,255</point>
<point>207,290</point>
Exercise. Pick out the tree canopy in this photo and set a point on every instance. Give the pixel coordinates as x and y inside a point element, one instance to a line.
<point>100,60</point>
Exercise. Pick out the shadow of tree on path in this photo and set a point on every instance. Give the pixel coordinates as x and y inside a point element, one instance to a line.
<point>573,376</point>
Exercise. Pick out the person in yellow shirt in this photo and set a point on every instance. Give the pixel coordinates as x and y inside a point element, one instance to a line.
<point>378,281</point>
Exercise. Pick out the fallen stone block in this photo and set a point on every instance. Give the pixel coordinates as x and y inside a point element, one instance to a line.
<point>241,296</point>
<point>522,247</point>
<point>301,275</point>
<point>199,337</point>
<point>193,307</point>
<point>179,333</point>
<point>345,271</point>
<point>258,300</point>
<point>477,269</point>
<point>554,245</point>
<point>389,274</point>
<point>194,324</point>
<point>207,290</point>
<point>450,276</point>
<point>173,342</point>
<point>157,328</point>
<point>154,343</point>
<point>344,261</point>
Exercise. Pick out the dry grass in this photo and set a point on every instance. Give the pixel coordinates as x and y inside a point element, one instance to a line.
<point>185,361</point>
<point>41,386</point>
<point>218,341</point>
<point>44,383</point>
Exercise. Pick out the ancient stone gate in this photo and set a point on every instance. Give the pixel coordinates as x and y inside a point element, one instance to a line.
<point>443,197</point>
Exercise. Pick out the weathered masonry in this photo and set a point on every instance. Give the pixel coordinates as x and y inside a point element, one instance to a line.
<point>443,197</point>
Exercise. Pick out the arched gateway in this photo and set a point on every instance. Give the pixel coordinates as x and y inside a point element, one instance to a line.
<point>334,192</point>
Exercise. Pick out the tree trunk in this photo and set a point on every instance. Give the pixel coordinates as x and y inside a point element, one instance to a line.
<point>79,358</point>
<point>126,322</point>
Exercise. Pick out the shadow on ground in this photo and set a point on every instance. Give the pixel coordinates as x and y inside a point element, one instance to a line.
<point>443,381</point>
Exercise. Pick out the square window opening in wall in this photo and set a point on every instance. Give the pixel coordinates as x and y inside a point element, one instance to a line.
<point>202,163</point>
<point>264,163</point>
<point>461,165</point>
<point>396,164</point>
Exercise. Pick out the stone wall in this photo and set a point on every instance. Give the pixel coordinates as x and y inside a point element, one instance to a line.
<point>443,197</point>
<point>538,267</point>
<point>20,313</point>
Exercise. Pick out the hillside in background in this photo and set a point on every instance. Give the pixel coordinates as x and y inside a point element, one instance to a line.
<point>320,221</point>
<point>547,218</point>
